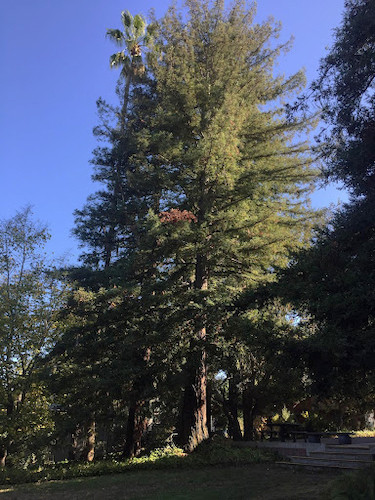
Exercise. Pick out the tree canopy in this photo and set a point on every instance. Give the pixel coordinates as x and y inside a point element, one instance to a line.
<point>30,296</point>
<point>213,192</point>
<point>334,280</point>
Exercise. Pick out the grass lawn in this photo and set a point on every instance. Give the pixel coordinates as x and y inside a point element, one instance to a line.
<point>255,481</point>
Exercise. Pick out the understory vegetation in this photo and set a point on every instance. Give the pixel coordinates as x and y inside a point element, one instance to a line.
<point>216,452</point>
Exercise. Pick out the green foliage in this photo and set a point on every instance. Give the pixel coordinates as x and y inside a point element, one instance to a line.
<point>345,89</point>
<point>167,458</point>
<point>359,485</point>
<point>332,284</point>
<point>30,429</point>
<point>259,358</point>
<point>205,189</point>
<point>332,287</point>
<point>219,450</point>
<point>30,297</point>
<point>135,38</point>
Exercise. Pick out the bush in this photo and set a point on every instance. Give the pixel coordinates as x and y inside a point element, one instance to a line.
<point>220,450</point>
<point>365,433</point>
<point>358,485</point>
<point>213,452</point>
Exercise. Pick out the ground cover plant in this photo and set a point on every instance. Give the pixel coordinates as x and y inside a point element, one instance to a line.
<point>217,452</point>
<point>359,485</point>
<point>364,433</point>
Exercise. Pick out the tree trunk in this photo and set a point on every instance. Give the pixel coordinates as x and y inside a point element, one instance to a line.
<point>124,108</point>
<point>234,425</point>
<point>248,414</point>
<point>209,409</point>
<point>91,438</point>
<point>109,244</point>
<point>10,405</point>
<point>193,417</point>
<point>83,441</point>
<point>3,456</point>
<point>10,408</point>
<point>137,425</point>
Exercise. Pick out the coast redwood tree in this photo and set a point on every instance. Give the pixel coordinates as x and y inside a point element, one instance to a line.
<point>214,194</point>
<point>230,158</point>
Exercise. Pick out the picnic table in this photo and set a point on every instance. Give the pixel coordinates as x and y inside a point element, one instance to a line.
<point>279,430</point>
<point>283,430</point>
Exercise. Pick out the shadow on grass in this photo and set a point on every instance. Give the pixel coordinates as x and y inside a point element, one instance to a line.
<point>215,452</point>
<point>251,481</point>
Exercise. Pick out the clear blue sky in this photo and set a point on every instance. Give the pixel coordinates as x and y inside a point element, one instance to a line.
<point>54,66</point>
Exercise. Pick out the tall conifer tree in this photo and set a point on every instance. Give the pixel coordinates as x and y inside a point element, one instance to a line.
<point>215,185</point>
<point>234,201</point>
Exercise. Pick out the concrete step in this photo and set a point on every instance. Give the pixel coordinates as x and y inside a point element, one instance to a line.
<point>314,466</point>
<point>327,462</point>
<point>355,447</point>
<point>345,454</point>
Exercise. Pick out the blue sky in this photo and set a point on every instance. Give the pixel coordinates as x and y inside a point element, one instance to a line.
<point>54,64</point>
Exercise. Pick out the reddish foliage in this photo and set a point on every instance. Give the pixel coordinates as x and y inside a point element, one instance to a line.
<point>175,215</point>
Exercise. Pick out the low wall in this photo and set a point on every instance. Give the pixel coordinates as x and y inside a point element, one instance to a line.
<point>300,448</point>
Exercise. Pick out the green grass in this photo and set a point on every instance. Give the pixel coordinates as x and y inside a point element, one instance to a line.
<point>357,485</point>
<point>217,452</point>
<point>253,482</point>
<point>216,470</point>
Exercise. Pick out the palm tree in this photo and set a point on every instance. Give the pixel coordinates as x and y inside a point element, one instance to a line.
<point>136,35</point>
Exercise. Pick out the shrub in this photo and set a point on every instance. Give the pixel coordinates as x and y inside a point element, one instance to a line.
<point>213,452</point>
<point>365,433</point>
<point>220,450</point>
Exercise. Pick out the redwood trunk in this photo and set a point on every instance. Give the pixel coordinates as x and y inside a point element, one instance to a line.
<point>209,409</point>
<point>193,417</point>
<point>136,427</point>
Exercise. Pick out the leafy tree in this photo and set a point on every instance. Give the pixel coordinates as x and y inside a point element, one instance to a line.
<point>122,371</point>
<point>30,297</point>
<point>260,357</point>
<point>345,91</point>
<point>83,390</point>
<point>332,285</point>
<point>334,280</point>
